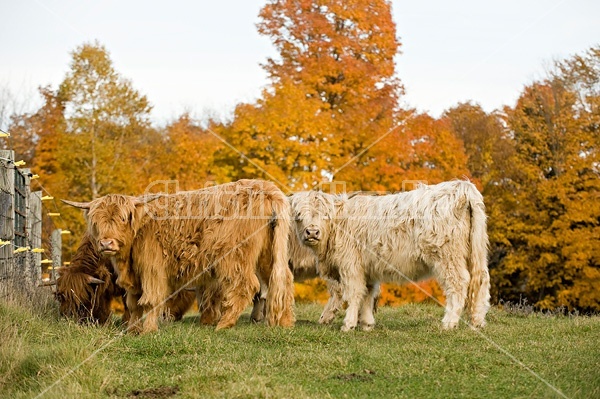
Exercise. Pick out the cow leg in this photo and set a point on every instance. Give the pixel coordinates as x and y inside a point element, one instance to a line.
<point>334,304</point>
<point>136,312</point>
<point>209,304</point>
<point>354,293</point>
<point>151,322</point>
<point>366,317</point>
<point>259,301</point>
<point>178,305</point>
<point>454,278</point>
<point>238,292</point>
<point>258,308</point>
<point>154,297</point>
<point>126,314</point>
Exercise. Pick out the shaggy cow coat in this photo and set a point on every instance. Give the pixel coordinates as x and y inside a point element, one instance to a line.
<point>437,230</point>
<point>222,239</point>
<point>86,287</point>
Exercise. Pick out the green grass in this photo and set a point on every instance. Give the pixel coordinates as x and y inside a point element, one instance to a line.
<point>407,355</point>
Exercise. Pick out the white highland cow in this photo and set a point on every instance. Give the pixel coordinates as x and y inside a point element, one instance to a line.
<point>437,230</point>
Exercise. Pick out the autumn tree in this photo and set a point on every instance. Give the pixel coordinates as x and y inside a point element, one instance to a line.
<point>283,138</point>
<point>91,135</point>
<point>105,119</point>
<point>22,137</point>
<point>486,142</point>
<point>187,154</point>
<point>420,149</point>
<point>332,90</point>
<point>553,229</point>
<point>21,123</point>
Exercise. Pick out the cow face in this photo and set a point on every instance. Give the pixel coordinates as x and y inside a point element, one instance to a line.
<point>111,222</point>
<point>80,297</point>
<point>312,212</point>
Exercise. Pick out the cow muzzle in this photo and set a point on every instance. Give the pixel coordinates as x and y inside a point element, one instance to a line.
<point>108,247</point>
<point>312,236</point>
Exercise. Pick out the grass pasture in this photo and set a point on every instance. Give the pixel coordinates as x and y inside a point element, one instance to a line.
<point>406,356</point>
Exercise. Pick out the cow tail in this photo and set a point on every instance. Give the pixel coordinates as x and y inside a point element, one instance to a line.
<point>478,298</point>
<point>280,294</point>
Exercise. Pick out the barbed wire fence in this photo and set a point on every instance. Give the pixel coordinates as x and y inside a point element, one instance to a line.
<point>24,263</point>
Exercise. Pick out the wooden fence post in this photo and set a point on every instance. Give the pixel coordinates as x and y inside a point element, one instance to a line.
<point>56,244</point>
<point>7,181</point>
<point>35,235</point>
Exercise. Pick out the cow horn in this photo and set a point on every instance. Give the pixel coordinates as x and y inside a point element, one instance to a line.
<point>81,205</point>
<point>47,284</point>
<point>94,280</point>
<point>147,198</point>
<point>354,194</point>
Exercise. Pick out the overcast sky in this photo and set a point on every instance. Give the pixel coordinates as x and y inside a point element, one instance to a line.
<point>204,56</point>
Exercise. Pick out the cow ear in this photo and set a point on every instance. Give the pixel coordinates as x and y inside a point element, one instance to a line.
<point>94,280</point>
<point>81,205</point>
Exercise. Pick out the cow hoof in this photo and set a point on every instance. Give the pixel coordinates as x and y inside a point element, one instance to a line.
<point>367,327</point>
<point>326,319</point>
<point>346,328</point>
<point>477,323</point>
<point>449,325</point>
<point>223,326</point>
<point>149,330</point>
<point>134,330</point>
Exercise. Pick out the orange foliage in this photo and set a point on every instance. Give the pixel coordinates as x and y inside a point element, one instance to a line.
<point>422,148</point>
<point>315,290</point>
<point>422,291</point>
<point>188,154</point>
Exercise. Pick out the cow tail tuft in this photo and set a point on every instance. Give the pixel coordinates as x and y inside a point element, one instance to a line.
<point>478,298</point>
<point>280,294</point>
